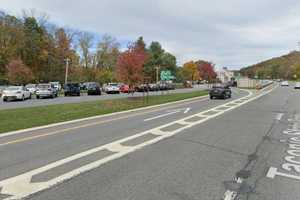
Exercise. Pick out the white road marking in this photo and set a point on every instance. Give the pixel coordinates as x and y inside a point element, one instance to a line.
<point>279,116</point>
<point>187,110</point>
<point>162,115</point>
<point>20,186</point>
<point>273,172</point>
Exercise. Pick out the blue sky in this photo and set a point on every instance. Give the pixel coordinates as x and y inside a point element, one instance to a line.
<point>232,33</point>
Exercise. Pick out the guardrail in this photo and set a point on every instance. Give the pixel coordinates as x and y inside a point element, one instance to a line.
<point>264,83</point>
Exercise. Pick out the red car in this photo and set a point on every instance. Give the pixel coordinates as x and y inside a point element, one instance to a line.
<point>124,89</point>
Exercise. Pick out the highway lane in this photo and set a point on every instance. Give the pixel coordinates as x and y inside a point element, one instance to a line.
<point>228,150</point>
<point>29,150</point>
<point>84,98</point>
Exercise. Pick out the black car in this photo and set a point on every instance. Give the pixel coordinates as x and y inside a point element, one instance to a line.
<point>93,88</point>
<point>72,89</point>
<point>220,92</point>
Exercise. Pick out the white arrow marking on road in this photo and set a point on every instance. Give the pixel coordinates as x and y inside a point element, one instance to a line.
<point>187,110</point>
<point>163,115</point>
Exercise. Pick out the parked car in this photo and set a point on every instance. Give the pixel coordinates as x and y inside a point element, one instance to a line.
<point>143,88</point>
<point>93,88</point>
<point>2,87</point>
<point>46,90</point>
<point>153,87</point>
<point>15,93</point>
<point>32,88</point>
<point>297,85</point>
<point>162,86</point>
<point>125,88</point>
<point>170,86</point>
<point>285,83</point>
<point>220,91</point>
<point>112,88</point>
<point>56,85</point>
<point>72,89</point>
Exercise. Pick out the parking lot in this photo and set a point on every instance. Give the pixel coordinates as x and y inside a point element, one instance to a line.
<point>85,98</point>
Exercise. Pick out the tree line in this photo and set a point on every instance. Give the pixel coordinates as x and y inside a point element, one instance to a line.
<point>283,67</point>
<point>33,50</point>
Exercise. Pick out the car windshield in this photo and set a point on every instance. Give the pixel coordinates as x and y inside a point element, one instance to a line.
<point>218,87</point>
<point>13,88</point>
<point>30,86</point>
<point>73,85</point>
<point>113,84</point>
<point>44,86</point>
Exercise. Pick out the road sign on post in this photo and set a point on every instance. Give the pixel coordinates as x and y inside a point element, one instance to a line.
<point>166,75</point>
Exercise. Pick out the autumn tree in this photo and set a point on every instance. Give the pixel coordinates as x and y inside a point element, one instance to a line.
<point>85,44</point>
<point>18,73</point>
<point>130,65</point>
<point>190,71</point>
<point>206,70</point>
<point>107,53</point>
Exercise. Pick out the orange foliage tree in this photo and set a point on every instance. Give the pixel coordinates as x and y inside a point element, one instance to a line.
<point>18,73</point>
<point>130,65</point>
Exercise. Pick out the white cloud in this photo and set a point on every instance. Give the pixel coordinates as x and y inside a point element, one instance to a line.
<point>231,33</point>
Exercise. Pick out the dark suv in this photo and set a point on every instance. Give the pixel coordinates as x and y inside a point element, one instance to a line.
<point>223,92</point>
<point>93,88</point>
<point>72,89</point>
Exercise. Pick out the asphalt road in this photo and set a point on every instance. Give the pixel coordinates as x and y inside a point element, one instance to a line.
<point>84,98</point>
<point>184,151</point>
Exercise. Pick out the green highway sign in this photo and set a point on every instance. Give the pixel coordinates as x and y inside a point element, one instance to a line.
<point>166,75</point>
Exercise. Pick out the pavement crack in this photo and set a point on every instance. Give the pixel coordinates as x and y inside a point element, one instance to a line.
<point>211,146</point>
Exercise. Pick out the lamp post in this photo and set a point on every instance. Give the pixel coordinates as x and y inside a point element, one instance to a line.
<point>67,60</point>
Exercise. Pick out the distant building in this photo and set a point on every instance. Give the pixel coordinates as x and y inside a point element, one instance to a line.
<point>225,75</point>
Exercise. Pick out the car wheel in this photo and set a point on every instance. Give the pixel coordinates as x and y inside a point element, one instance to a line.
<point>23,98</point>
<point>211,97</point>
<point>37,96</point>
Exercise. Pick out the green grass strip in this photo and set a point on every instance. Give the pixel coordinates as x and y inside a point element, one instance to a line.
<point>21,118</point>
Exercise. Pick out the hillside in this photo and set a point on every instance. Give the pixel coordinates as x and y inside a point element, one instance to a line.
<point>280,67</point>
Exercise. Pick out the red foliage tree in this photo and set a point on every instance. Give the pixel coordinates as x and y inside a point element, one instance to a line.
<point>130,65</point>
<point>18,73</point>
<point>206,70</point>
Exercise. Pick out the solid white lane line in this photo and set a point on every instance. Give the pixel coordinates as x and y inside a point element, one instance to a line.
<point>20,186</point>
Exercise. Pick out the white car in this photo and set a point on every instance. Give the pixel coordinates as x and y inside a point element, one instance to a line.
<point>15,93</point>
<point>32,88</point>
<point>46,90</point>
<point>112,88</point>
<point>56,85</point>
<point>297,85</point>
<point>285,83</point>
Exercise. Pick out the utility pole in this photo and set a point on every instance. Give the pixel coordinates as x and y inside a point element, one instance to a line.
<point>67,60</point>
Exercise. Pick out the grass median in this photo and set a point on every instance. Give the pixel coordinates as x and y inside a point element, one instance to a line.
<point>21,118</point>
